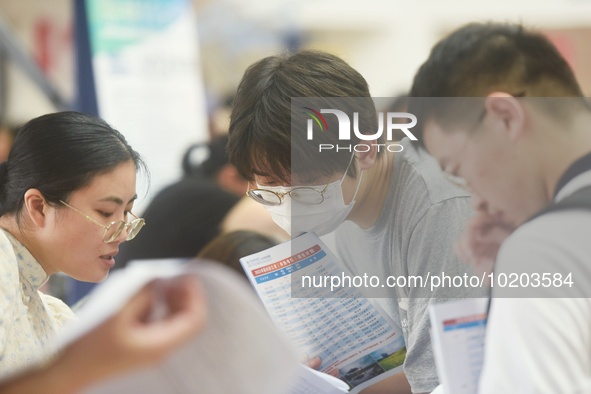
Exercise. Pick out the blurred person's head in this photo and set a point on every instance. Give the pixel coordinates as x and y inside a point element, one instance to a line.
<point>498,107</point>
<point>219,117</point>
<point>249,215</point>
<point>209,160</point>
<point>229,248</point>
<point>66,192</point>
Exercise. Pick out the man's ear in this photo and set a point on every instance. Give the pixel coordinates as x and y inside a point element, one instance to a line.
<point>365,160</point>
<point>508,112</point>
<point>36,207</point>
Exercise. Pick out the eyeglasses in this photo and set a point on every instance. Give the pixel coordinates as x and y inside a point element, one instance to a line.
<point>114,229</point>
<point>304,195</point>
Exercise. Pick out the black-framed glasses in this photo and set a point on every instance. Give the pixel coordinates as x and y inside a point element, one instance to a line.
<point>114,229</point>
<point>306,195</point>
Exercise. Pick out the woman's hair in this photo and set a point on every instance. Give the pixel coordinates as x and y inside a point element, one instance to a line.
<point>57,154</point>
<point>228,248</point>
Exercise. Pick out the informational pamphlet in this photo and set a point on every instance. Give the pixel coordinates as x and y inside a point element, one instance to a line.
<point>458,330</point>
<point>354,338</point>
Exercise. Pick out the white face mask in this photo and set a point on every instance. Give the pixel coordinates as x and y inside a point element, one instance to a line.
<point>296,218</point>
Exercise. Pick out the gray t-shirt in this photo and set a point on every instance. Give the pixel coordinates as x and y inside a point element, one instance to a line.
<point>414,235</point>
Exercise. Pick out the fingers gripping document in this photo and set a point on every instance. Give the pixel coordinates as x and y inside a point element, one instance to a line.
<point>238,351</point>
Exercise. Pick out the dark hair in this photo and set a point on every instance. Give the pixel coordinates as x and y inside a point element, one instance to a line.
<point>229,248</point>
<point>480,58</point>
<point>58,154</point>
<point>206,159</point>
<point>262,140</point>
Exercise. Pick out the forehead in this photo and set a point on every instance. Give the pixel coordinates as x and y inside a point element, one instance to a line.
<point>120,182</point>
<point>442,142</point>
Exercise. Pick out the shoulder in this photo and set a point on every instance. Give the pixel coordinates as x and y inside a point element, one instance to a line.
<point>10,283</point>
<point>421,192</point>
<point>556,244</point>
<point>247,214</point>
<point>560,231</point>
<point>9,272</point>
<point>56,308</point>
<point>5,244</point>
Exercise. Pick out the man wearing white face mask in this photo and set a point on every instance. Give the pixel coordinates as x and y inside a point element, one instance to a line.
<point>394,213</point>
<point>310,209</point>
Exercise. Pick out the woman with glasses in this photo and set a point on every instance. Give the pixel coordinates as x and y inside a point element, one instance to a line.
<point>66,195</point>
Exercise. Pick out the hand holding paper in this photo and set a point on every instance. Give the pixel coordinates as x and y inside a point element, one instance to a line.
<point>131,339</point>
<point>186,326</point>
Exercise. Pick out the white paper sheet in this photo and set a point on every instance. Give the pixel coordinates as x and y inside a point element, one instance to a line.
<point>458,331</point>
<point>239,351</point>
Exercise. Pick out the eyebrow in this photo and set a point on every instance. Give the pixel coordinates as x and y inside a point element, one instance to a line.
<point>117,200</point>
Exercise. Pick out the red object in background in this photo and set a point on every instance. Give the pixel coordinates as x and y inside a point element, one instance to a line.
<point>41,44</point>
<point>565,46</point>
<point>51,42</point>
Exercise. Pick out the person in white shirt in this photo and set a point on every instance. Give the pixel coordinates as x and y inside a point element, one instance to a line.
<point>501,111</point>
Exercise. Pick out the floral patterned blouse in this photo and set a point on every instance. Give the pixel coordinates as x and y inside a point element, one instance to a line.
<point>28,318</point>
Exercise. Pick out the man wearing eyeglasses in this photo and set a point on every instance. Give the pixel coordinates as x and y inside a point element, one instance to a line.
<point>527,161</point>
<point>394,213</point>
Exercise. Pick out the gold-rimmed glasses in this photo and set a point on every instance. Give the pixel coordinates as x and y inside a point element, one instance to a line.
<point>306,195</point>
<point>114,229</point>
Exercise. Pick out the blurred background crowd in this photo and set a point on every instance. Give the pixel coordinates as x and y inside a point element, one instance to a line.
<point>78,54</point>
